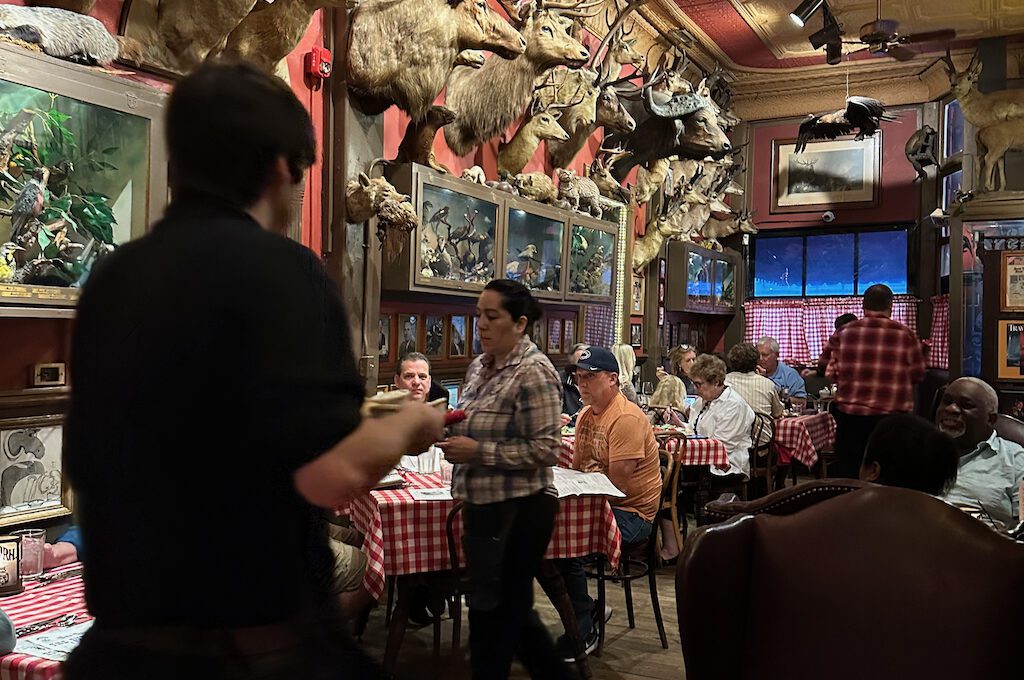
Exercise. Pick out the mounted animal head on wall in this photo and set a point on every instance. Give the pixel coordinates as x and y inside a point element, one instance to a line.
<point>962,82</point>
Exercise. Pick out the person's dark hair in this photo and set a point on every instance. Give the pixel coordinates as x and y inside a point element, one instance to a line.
<point>516,299</point>
<point>878,298</point>
<point>743,357</point>
<point>844,319</point>
<point>227,124</point>
<point>411,356</point>
<point>912,453</point>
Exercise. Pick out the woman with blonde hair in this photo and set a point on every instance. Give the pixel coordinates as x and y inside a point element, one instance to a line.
<point>626,357</point>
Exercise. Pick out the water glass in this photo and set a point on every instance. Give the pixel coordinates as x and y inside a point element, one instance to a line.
<point>32,542</point>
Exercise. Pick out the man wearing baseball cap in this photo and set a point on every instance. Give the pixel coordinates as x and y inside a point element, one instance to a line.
<point>613,436</point>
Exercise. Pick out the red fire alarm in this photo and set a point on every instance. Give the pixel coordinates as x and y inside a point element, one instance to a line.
<point>319,63</point>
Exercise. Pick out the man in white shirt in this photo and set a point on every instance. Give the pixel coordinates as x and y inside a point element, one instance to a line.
<point>990,468</point>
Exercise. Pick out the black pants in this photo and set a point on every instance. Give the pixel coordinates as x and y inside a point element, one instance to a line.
<point>852,433</point>
<point>314,648</point>
<point>505,544</point>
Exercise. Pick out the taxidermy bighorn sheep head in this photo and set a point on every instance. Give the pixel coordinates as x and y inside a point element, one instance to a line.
<point>402,53</point>
<point>488,100</point>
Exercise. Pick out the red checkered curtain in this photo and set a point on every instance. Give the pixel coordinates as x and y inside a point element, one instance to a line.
<point>803,326</point>
<point>782,320</point>
<point>938,357</point>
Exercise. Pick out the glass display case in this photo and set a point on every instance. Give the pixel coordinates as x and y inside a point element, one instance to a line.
<point>592,257</point>
<point>700,280</point>
<point>535,247</point>
<point>461,224</point>
<point>84,172</point>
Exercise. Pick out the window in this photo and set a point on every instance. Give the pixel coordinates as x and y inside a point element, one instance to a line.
<point>953,125</point>
<point>829,264</point>
<point>950,184</point>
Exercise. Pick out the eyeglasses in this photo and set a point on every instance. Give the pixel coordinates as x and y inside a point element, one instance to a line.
<point>699,384</point>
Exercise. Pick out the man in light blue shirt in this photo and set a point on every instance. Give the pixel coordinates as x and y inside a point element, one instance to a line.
<point>990,468</point>
<point>779,373</point>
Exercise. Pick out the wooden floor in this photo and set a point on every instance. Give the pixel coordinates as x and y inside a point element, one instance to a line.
<point>629,654</point>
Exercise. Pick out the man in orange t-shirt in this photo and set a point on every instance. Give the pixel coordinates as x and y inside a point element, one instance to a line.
<point>613,436</point>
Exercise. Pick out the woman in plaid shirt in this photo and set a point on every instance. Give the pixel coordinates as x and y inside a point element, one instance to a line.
<point>503,454</point>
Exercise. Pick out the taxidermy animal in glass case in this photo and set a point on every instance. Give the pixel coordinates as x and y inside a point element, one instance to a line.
<point>401,53</point>
<point>862,114</point>
<point>996,116</point>
<point>491,98</point>
<point>366,198</point>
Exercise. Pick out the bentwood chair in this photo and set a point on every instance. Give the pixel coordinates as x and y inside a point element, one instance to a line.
<point>904,563</point>
<point>763,461</point>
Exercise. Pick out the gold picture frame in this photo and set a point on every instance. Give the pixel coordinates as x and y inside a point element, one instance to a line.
<point>799,183</point>
<point>33,486</point>
<point>1011,281</point>
<point>1009,355</point>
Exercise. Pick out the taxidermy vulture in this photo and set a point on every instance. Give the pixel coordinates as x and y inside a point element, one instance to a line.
<point>863,114</point>
<point>60,33</point>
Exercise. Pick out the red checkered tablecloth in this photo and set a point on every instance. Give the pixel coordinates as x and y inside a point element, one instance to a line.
<point>697,451</point>
<point>39,603</point>
<point>802,437</point>
<point>405,536</point>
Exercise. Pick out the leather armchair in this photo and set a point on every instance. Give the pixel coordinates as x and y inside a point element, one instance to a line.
<point>1010,429</point>
<point>785,501</point>
<point>891,584</point>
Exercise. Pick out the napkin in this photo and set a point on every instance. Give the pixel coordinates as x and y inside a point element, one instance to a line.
<point>426,462</point>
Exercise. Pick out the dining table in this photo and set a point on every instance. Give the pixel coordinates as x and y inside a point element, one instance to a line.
<point>801,437</point>
<point>55,600</point>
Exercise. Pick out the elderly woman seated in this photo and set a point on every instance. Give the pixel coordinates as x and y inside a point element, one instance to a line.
<point>721,413</point>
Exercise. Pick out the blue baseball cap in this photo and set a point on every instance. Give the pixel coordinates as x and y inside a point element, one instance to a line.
<point>596,359</point>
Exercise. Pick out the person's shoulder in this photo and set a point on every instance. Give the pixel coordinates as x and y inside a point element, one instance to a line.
<point>535,360</point>
<point>1006,447</point>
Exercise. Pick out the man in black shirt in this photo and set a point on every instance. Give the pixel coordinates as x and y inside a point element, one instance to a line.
<point>215,404</point>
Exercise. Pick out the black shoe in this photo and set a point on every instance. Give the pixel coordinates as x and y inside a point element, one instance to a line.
<point>589,645</point>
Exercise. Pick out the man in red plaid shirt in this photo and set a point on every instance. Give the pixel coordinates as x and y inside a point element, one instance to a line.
<point>875,361</point>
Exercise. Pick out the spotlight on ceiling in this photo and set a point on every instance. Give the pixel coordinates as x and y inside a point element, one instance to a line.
<point>805,11</point>
<point>834,52</point>
<point>830,32</point>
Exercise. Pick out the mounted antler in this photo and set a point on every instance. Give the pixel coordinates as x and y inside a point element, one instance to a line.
<point>620,19</point>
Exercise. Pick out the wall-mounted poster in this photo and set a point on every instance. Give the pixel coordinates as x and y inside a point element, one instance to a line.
<point>433,337</point>
<point>384,344</point>
<point>825,174</point>
<point>637,296</point>
<point>636,338</point>
<point>1011,403</point>
<point>1010,335</point>
<point>32,483</point>
<point>569,326</point>
<point>408,334</point>
<point>1012,277</point>
<point>457,336</point>
<point>554,336</point>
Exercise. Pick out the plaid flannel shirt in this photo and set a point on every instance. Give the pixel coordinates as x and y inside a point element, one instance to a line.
<point>875,361</point>
<point>513,410</point>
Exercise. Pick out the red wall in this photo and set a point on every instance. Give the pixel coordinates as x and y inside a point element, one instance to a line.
<point>898,195</point>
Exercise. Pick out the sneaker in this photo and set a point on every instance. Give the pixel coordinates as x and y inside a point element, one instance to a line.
<point>608,611</point>
<point>589,645</point>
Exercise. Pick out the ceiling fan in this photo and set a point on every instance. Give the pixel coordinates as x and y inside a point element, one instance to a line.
<point>882,37</point>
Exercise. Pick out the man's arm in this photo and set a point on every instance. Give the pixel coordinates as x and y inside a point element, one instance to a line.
<point>777,408</point>
<point>627,438</point>
<point>620,472</point>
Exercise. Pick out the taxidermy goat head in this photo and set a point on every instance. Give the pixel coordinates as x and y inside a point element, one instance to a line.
<point>366,198</point>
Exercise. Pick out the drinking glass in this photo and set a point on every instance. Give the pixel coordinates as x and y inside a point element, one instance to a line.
<point>32,542</point>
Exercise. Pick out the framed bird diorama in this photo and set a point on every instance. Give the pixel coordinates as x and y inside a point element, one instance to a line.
<point>812,176</point>
<point>82,171</point>
<point>592,257</point>
<point>535,247</point>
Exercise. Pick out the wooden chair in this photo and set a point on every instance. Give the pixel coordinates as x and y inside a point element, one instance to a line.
<point>671,475</point>
<point>904,561</point>
<point>763,461</point>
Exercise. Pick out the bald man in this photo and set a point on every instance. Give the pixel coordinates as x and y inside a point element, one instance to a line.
<point>991,468</point>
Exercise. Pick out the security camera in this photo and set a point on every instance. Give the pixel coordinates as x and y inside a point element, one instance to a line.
<point>828,216</point>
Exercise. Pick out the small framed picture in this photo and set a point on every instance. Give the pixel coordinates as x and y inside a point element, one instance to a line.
<point>1011,336</point>
<point>48,375</point>
<point>661,268</point>
<point>1012,279</point>
<point>636,335</point>
<point>476,346</point>
<point>538,335</point>
<point>661,292</point>
<point>433,337</point>
<point>661,316</point>
<point>569,326</point>
<point>457,336</point>
<point>32,484</point>
<point>408,334</point>
<point>384,344</point>
<point>554,336</point>
<point>637,295</point>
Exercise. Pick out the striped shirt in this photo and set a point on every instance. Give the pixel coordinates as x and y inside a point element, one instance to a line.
<point>513,410</point>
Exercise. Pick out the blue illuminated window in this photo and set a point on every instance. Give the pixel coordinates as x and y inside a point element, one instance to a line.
<point>829,264</point>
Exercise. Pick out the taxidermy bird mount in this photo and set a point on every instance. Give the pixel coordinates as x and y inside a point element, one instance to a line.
<point>863,114</point>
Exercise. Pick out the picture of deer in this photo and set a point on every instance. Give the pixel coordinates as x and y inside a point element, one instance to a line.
<point>541,124</point>
<point>489,99</point>
<point>998,116</point>
<point>402,53</point>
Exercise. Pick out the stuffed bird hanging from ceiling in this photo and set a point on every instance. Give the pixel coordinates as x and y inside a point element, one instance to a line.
<point>862,114</point>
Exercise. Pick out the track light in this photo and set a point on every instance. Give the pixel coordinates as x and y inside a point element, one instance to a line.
<point>834,52</point>
<point>805,11</point>
<point>830,32</point>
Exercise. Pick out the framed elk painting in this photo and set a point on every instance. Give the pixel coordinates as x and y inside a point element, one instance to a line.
<point>845,172</point>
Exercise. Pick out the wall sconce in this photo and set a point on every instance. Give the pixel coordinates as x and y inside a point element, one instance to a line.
<point>804,11</point>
